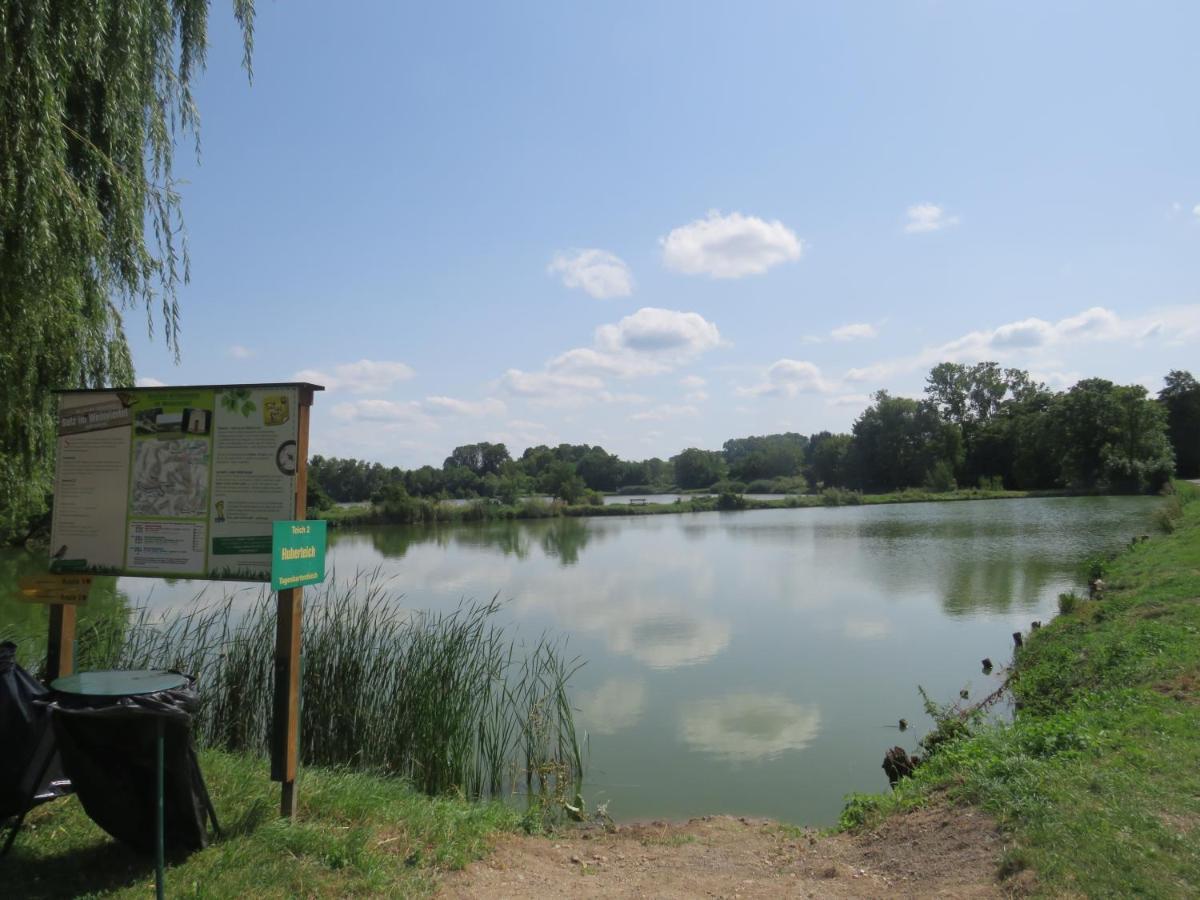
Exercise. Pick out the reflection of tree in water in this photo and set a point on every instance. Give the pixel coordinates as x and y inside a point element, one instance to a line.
<point>561,538</point>
<point>26,624</point>
<point>393,541</point>
<point>564,538</point>
<point>997,585</point>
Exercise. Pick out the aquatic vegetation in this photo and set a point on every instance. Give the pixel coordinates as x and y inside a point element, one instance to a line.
<point>450,701</point>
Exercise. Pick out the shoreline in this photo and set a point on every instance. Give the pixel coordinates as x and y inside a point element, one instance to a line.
<point>1091,790</point>
<point>423,511</point>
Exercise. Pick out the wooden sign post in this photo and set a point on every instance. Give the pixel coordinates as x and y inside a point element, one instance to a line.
<point>60,651</point>
<point>122,507</point>
<point>285,727</point>
<point>62,593</point>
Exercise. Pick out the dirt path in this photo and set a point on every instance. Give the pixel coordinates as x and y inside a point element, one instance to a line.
<point>935,852</point>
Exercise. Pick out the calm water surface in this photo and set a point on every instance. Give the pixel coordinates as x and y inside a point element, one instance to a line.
<point>753,662</point>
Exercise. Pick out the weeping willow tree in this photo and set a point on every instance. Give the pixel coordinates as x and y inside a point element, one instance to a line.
<point>93,96</point>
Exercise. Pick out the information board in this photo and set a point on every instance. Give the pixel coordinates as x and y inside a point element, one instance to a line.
<point>174,482</point>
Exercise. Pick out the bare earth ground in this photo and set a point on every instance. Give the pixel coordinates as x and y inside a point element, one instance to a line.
<point>935,852</point>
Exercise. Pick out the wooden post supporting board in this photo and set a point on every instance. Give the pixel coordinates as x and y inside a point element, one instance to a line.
<point>60,649</point>
<point>285,730</point>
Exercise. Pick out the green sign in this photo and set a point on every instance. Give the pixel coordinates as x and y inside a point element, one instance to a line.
<point>297,554</point>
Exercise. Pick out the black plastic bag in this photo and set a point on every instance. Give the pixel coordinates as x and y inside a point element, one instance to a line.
<point>109,751</point>
<point>27,746</point>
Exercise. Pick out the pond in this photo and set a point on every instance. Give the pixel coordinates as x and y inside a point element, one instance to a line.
<point>752,663</point>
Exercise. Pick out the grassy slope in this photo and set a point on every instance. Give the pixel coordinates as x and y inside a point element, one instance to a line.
<point>1097,781</point>
<point>356,835</point>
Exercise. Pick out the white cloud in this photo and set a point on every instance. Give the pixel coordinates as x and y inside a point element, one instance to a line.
<point>789,377</point>
<point>648,342</point>
<point>695,396</point>
<point>622,365</point>
<point>600,273</point>
<point>924,217</point>
<point>237,351</point>
<point>149,382</point>
<point>384,411</point>
<point>729,246</point>
<point>663,412</point>
<point>1034,338</point>
<point>651,330</point>
<point>552,388</point>
<point>1196,210</point>
<point>455,407</point>
<point>363,377</point>
<point>854,332</point>
<point>860,400</point>
<point>692,381</point>
<point>524,433</point>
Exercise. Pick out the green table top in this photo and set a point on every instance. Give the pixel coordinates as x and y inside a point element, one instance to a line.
<point>119,682</point>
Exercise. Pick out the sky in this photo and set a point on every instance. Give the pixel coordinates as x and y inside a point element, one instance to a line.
<point>655,225</point>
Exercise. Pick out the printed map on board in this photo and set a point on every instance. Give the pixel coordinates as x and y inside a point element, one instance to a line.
<point>170,478</point>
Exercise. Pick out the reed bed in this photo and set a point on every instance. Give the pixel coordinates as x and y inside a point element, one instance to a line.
<point>453,702</point>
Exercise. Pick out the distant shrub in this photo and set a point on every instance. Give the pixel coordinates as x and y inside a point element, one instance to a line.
<point>991,482</point>
<point>1067,603</point>
<point>729,500</point>
<point>533,508</point>
<point>940,478</point>
<point>737,487</point>
<point>836,496</point>
<point>593,498</point>
<point>631,489</point>
<point>761,486</point>
<point>790,484</point>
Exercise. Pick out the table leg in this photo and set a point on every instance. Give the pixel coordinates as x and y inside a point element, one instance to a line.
<point>159,815</point>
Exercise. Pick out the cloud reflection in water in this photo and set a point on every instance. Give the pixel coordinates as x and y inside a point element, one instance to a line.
<point>745,727</point>
<point>613,706</point>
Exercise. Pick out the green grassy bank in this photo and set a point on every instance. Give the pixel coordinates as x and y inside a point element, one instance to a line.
<point>417,511</point>
<point>356,835</point>
<point>1097,780</point>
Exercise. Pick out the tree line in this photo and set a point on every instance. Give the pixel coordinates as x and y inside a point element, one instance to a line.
<point>976,426</point>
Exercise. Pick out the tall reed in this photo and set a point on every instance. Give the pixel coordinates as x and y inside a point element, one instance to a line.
<point>452,701</point>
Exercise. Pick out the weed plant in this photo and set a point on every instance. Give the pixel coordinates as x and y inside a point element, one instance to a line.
<point>1095,780</point>
<point>452,702</point>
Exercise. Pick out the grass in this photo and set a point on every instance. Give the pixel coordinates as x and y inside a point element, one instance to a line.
<point>424,511</point>
<point>1096,780</point>
<point>450,702</point>
<point>356,835</point>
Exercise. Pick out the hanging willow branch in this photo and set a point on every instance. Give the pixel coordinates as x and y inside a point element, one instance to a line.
<point>93,95</point>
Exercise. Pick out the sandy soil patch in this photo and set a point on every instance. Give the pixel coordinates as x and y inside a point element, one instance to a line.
<point>935,852</point>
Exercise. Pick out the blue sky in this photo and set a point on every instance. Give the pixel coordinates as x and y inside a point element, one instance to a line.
<point>657,225</point>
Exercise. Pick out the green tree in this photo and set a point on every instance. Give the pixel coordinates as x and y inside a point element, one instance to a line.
<point>1181,398</point>
<point>1111,437</point>
<point>93,94</point>
<point>827,459</point>
<point>898,441</point>
<point>599,469</point>
<point>982,400</point>
<point>482,458</point>
<point>560,480</point>
<point>766,456</point>
<point>699,468</point>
